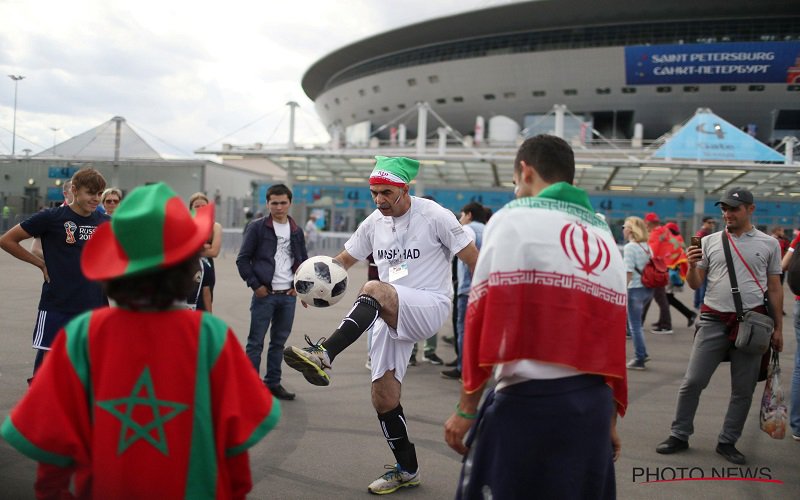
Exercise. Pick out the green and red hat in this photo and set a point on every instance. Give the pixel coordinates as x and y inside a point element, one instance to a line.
<point>395,171</point>
<point>152,229</point>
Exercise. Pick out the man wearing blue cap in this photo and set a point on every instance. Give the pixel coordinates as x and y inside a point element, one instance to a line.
<point>412,240</point>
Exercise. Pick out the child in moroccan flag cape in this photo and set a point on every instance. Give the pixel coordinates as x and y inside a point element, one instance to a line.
<point>148,399</point>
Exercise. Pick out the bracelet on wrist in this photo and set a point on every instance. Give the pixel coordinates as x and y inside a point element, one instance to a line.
<point>462,414</point>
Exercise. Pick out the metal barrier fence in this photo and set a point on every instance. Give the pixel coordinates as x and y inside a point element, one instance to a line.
<point>329,243</point>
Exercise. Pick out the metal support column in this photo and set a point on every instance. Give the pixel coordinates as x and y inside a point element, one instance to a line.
<point>559,110</point>
<point>699,199</point>
<point>292,106</point>
<point>422,126</point>
<point>117,142</point>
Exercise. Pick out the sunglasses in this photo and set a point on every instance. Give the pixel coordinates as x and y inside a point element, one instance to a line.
<point>110,201</point>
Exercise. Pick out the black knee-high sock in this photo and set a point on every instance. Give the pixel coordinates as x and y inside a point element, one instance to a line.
<point>363,314</point>
<point>393,425</point>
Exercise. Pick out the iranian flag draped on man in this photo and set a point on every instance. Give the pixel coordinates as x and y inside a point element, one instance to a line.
<point>546,316</point>
<point>570,281</point>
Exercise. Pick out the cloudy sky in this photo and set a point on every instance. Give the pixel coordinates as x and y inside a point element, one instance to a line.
<point>184,74</point>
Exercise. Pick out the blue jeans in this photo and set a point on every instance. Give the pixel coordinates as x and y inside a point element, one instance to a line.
<point>636,300</point>
<point>794,412</point>
<point>461,314</point>
<point>278,310</point>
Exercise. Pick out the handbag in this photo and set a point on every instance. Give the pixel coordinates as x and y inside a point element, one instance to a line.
<point>773,414</point>
<point>793,273</point>
<point>675,278</point>
<point>755,329</point>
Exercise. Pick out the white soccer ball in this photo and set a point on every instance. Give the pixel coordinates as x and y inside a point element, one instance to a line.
<point>320,281</point>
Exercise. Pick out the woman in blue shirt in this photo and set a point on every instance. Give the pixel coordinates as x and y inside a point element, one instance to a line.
<point>636,254</point>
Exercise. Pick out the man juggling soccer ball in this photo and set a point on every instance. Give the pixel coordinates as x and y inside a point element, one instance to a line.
<point>412,240</point>
<point>148,399</point>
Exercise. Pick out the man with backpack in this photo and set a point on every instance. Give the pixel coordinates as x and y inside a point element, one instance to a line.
<point>755,258</point>
<point>791,268</point>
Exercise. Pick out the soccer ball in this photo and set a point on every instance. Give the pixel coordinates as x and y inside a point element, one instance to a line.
<point>320,281</point>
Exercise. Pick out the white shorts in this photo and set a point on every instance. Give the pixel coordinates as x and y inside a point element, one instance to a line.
<point>420,315</point>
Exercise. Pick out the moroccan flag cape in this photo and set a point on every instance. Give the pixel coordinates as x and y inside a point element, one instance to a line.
<point>667,245</point>
<point>549,286</point>
<point>138,404</point>
<point>671,248</point>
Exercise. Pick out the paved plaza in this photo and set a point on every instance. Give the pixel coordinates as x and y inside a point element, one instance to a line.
<point>328,443</point>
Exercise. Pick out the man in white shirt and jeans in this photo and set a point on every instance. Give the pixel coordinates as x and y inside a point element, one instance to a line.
<point>412,241</point>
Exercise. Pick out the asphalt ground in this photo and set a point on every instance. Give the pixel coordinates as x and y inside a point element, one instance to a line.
<point>328,443</point>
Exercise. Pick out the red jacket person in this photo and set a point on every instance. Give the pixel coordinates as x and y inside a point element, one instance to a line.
<point>148,399</point>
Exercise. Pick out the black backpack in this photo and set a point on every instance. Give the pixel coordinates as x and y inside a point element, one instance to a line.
<point>793,273</point>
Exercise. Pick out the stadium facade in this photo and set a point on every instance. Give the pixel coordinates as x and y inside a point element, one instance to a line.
<point>612,63</point>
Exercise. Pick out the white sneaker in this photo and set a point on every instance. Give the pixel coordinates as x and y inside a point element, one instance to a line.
<point>796,437</point>
<point>662,331</point>
<point>393,480</point>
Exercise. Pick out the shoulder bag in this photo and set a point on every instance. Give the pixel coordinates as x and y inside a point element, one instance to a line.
<point>755,329</point>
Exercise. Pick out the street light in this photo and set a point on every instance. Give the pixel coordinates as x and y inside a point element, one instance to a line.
<point>54,129</point>
<point>16,79</point>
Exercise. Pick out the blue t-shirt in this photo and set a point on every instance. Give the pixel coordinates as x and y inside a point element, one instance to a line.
<point>63,233</point>
<point>462,271</point>
<point>636,256</point>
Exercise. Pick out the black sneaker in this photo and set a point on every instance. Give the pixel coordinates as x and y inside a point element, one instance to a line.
<point>311,361</point>
<point>662,331</point>
<point>452,364</point>
<point>730,453</point>
<point>636,364</point>
<point>279,392</point>
<point>433,359</point>
<point>412,361</point>
<point>454,374</point>
<point>449,340</point>
<point>672,445</point>
<point>692,319</point>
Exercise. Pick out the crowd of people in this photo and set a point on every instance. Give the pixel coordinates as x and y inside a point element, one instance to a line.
<point>523,288</point>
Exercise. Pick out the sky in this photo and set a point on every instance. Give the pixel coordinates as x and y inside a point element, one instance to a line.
<point>184,74</point>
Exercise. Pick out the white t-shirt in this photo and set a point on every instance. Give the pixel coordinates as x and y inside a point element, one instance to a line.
<point>425,238</point>
<point>470,232</point>
<point>283,277</point>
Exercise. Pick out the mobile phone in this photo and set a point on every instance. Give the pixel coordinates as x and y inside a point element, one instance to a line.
<point>695,241</point>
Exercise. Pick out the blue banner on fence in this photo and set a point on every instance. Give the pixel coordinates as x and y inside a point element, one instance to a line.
<point>752,62</point>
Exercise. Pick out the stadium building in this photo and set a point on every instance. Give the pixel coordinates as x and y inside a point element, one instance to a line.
<point>665,104</point>
<point>614,64</point>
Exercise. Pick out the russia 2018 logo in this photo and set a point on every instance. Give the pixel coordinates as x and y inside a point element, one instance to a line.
<point>70,228</point>
<point>586,249</point>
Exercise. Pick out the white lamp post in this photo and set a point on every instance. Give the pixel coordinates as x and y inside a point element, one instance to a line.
<point>55,130</point>
<point>16,79</point>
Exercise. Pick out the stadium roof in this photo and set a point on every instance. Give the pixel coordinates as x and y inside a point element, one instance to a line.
<point>539,15</point>
<point>100,143</point>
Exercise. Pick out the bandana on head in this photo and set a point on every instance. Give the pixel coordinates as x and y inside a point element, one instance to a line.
<point>396,171</point>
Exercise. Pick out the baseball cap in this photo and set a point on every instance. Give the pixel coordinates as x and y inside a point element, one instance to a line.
<point>651,217</point>
<point>736,196</point>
